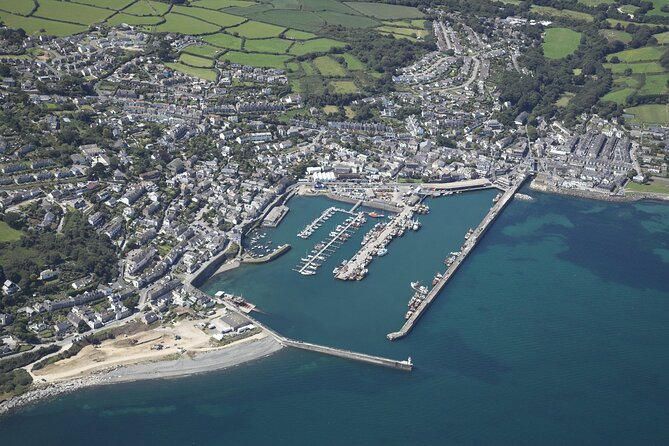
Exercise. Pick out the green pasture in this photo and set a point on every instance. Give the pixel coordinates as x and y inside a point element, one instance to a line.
<point>315,46</point>
<point>256,30</point>
<point>614,34</point>
<point>294,34</point>
<point>329,67</point>
<point>643,54</point>
<point>385,11</point>
<point>71,12</point>
<point>206,50</point>
<point>650,114</point>
<point>224,40</point>
<point>256,59</point>
<point>37,26</point>
<point>134,20</point>
<point>178,23</point>
<point>207,15</point>
<point>115,5</point>
<point>8,234</point>
<point>273,45</point>
<point>561,13</point>
<point>195,61</point>
<point>18,7</point>
<point>560,42</point>
<point>221,4</point>
<point>343,87</point>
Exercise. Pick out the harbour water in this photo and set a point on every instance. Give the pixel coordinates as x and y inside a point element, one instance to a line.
<point>554,331</point>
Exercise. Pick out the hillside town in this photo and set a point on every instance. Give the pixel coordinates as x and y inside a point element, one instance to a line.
<point>173,170</point>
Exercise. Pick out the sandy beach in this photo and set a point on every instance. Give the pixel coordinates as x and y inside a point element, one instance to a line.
<point>186,350</point>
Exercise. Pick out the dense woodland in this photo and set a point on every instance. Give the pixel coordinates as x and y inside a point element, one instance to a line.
<point>79,249</point>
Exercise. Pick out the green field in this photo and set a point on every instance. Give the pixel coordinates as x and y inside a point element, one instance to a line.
<point>255,59</point>
<point>637,68</point>
<point>195,61</point>
<point>653,186</point>
<point>662,38</point>
<point>115,5</point>
<point>207,15</point>
<point>294,34</point>
<point>285,4</point>
<point>560,42</point>
<point>71,12</point>
<point>256,30</point>
<point>206,50</point>
<point>8,234</point>
<point>224,41</point>
<point>220,4</point>
<point>36,26</point>
<point>293,67</point>
<point>301,20</point>
<point>643,54</point>
<point>308,68</point>
<point>650,114</point>
<point>657,8</point>
<point>343,87</point>
<point>128,19</point>
<point>563,101</point>
<point>347,20</point>
<point>147,7</point>
<point>208,74</point>
<point>329,67</point>
<point>399,36</point>
<point>274,45</point>
<point>618,96</point>
<point>614,34</point>
<point>312,84</point>
<point>315,46</point>
<point>352,62</point>
<point>655,84</point>
<point>327,5</point>
<point>564,13</point>
<point>384,11</point>
<point>593,3</point>
<point>408,32</point>
<point>17,7</point>
<point>177,23</point>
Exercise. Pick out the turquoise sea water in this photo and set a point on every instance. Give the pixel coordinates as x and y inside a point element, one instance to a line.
<point>555,331</point>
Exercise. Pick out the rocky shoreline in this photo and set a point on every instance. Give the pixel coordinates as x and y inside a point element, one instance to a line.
<point>223,358</point>
<point>598,195</point>
<point>46,391</point>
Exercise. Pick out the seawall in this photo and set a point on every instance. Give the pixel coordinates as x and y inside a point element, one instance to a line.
<point>469,246</point>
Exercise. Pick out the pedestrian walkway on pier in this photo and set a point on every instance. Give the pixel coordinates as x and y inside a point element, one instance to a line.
<point>405,365</point>
<point>314,260</point>
<point>354,267</point>
<point>468,246</point>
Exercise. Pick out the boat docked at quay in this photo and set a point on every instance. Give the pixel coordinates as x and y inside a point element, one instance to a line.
<point>420,292</point>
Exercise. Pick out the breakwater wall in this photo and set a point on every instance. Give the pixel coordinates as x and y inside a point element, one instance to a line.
<point>406,365</point>
<point>347,354</point>
<point>469,245</point>
<point>281,250</point>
